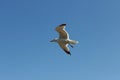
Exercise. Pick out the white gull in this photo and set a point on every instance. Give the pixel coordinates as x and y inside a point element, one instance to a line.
<point>63,39</point>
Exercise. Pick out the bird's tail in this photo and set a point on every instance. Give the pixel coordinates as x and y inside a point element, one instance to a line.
<point>73,42</point>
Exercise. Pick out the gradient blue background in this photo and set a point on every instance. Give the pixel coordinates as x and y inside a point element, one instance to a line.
<point>27,26</point>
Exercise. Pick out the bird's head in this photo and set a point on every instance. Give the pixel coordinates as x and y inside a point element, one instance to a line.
<point>54,40</point>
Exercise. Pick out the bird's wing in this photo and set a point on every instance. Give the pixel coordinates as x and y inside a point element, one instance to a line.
<point>64,46</point>
<point>62,32</point>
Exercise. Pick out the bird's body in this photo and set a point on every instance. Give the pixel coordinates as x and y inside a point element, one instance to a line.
<point>63,39</point>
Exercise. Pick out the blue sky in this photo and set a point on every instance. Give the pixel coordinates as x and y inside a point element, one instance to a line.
<point>27,26</point>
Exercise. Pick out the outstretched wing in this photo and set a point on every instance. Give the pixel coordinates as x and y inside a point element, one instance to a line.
<point>62,32</point>
<point>65,48</point>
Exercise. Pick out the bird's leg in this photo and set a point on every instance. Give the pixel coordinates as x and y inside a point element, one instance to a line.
<point>71,45</point>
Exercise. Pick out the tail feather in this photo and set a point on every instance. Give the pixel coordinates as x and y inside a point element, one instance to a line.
<point>73,42</point>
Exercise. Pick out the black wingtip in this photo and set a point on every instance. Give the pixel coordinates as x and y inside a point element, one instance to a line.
<point>63,25</point>
<point>68,52</point>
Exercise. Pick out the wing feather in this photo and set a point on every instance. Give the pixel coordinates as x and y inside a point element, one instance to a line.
<point>65,48</point>
<point>62,32</point>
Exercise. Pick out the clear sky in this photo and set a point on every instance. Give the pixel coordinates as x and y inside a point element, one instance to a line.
<point>27,26</point>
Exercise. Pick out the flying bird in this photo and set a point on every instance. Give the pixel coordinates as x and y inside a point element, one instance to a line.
<point>63,39</point>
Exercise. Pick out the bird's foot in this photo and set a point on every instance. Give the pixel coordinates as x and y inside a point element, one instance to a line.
<point>71,45</point>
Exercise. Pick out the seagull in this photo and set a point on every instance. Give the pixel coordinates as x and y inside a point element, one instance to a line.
<point>63,39</point>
